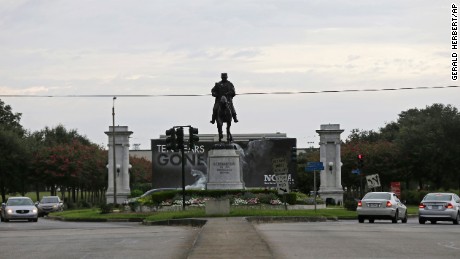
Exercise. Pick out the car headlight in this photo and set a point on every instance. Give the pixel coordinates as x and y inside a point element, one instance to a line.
<point>55,206</point>
<point>9,211</point>
<point>34,210</point>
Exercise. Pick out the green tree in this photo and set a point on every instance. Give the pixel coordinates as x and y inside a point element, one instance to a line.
<point>140,176</point>
<point>429,142</point>
<point>9,120</point>
<point>13,153</point>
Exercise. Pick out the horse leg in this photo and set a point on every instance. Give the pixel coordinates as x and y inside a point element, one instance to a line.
<point>229,135</point>
<point>219,129</point>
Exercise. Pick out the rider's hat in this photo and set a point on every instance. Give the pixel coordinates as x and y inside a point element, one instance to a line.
<point>223,75</point>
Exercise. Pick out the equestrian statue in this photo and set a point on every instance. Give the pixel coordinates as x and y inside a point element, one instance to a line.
<point>223,110</point>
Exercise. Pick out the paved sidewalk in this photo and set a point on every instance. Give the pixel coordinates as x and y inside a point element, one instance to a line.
<point>229,238</point>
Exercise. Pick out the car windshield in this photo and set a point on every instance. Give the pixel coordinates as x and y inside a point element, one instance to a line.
<point>19,202</point>
<point>438,197</point>
<point>50,200</point>
<point>384,196</point>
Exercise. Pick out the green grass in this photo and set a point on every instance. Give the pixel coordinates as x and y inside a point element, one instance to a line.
<point>94,214</point>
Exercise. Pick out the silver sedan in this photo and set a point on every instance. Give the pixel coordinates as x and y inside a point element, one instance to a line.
<point>381,205</point>
<point>19,208</point>
<point>439,207</point>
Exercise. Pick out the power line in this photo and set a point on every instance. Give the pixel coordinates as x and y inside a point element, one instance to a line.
<point>249,93</point>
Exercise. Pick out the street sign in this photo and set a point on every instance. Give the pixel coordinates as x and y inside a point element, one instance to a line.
<point>280,166</point>
<point>282,183</point>
<point>396,188</point>
<point>373,181</point>
<point>314,166</point>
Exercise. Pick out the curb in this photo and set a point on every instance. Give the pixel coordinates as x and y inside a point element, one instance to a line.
<point>177,222</point>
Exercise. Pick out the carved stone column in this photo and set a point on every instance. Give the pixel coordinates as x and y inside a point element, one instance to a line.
<point>331,178</point>
<point>122,164</point>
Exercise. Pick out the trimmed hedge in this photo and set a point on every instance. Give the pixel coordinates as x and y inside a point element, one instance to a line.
<point>263,195</point>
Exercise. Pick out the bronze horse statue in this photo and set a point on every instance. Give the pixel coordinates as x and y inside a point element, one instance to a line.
<point>224,115</point>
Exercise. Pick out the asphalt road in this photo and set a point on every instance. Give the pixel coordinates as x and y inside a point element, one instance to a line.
<point>56,239</point>
<point>341,239</point>
<point>350,239</point>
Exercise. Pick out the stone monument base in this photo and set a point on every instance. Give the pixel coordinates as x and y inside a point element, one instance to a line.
<point>121,197</point>
<point>224,172</point>
<point>335,194</point>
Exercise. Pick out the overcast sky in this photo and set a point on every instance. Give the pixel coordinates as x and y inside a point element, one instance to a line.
<point>118,47</point>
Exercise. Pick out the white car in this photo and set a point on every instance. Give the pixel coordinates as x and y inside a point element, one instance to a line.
<point>381,205</point>
<point>439,207</point>
<point>19,208</point>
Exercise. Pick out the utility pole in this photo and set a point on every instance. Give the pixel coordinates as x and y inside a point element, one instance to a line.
<point>114,154</point>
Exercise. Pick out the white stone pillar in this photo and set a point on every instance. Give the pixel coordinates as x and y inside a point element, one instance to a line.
<point>121,146</point>
<point>338,167</point>
<point>331,180</point>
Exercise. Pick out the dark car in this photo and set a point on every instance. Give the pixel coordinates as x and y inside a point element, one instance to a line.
<point>49,204</point>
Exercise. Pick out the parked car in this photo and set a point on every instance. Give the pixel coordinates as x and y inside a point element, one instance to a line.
<point>381,205</point>
<point>49,204</point>
<point>19,208</point>
<point>439,207</point>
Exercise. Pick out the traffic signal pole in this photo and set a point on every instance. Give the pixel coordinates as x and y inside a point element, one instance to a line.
<point>175,142</point>
<point>183,178</point>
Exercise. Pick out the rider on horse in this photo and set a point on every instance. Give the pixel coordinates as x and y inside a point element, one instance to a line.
<point>223,88</point>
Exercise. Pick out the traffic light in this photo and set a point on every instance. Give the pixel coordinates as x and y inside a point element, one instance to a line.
<point>180,138</point>
<point>193,138</point>
<point>171,139</point>
<point>294,154</point>
<point>360,161</point>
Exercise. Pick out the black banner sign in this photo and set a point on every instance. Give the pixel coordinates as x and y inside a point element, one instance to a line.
<point>255,157</point>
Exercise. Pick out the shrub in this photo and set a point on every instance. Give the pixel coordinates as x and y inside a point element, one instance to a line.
<point>84,204</point>
<point>136,193</point>
<point>291,198</point>
<point>266,198</point>
<point>413,197</point>
<point>71,205</point>
<point>350,204</point>
<point>106,208</point>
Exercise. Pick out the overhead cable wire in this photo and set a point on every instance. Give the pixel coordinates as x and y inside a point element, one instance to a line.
<point>248,93</point>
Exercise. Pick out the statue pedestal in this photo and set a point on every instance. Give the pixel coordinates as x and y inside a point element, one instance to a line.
<point>224,172</point>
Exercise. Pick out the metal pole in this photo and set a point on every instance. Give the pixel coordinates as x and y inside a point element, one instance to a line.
<point>314,187</point>
<point>183,178</point>
<point>114,154</point>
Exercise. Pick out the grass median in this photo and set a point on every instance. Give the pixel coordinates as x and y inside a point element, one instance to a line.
<point>94,214</point>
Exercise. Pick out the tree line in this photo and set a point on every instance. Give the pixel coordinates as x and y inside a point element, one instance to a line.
<point>421,149</point>
<point>57,160</point>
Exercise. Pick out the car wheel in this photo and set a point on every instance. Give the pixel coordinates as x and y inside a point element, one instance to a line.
<point>371,220</point>
<point>1,219</point>
<point>433,221</point>
<point>421,221</point>
<point>360,219</point>
<point>6,220</point>
<point>404,220</point>
<point>457,219</point>
<point>395,219</point>
<point>35,220</point>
